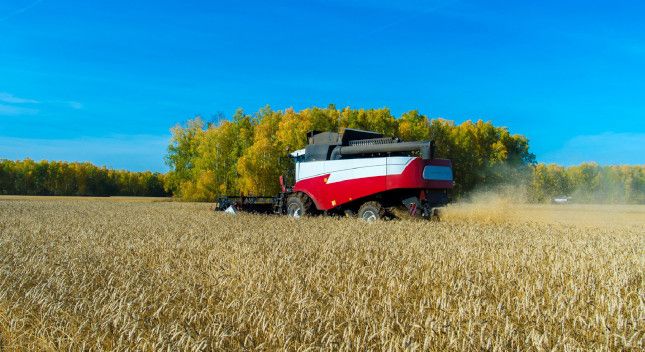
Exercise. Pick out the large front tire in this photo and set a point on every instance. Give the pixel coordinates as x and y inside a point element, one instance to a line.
<point>299,205</point>
<point>371,211</point>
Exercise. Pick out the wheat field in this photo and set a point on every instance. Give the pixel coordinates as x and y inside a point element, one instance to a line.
<point>97,274</point>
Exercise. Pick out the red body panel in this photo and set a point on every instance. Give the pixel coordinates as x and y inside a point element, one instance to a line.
<point>330,195</point>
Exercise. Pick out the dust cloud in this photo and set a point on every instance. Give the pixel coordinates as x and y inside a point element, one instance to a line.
<point>509,204</point>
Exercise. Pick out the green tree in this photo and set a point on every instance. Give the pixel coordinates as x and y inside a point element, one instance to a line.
<point>182,152</point>
<point>263,162</point>
<point>378,120</point>
<point>64,179</point>
<point>414,126</point>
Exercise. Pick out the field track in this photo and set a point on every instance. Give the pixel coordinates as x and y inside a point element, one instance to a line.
<point>150,274</point>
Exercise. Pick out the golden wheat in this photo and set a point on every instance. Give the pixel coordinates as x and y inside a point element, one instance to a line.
<point>101,275</point>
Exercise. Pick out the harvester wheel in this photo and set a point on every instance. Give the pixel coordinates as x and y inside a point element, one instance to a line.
<point>371,211</point>
<point>299,205</point>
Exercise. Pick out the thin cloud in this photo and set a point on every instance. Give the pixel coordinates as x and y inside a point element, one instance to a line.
<point>72,104</point>
<point>75,105</point>
<point>21,10</point>
<point>12,110</point>
<point>12,105</point>
<point>12,99</point>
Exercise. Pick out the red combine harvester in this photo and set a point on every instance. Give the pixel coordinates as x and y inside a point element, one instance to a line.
<point>358,172</point>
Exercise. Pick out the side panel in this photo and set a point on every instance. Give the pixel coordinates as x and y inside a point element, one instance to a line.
<point>330,195</point>
<point>412,176</point>
<point>396,165</point>
<point>310,169</point>
<point>335,182</point>
<point>343,169</point>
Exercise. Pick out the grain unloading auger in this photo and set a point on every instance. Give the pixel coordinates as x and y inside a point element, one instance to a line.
<point>358,172</point>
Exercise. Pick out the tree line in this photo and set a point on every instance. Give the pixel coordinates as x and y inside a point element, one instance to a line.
<point>588,183</point>
<point>58,178</point>
<point>246,155</point>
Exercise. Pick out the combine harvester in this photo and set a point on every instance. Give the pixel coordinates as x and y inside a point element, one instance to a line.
<point>357,173</point>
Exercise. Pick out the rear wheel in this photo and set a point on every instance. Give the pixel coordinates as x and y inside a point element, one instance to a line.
<point>371,211</point>
<point>299,205</point>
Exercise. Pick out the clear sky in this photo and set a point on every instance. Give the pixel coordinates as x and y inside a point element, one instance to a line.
<point>104,80</point>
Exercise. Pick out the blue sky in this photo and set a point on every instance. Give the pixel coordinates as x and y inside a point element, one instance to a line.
<point>103,81</point>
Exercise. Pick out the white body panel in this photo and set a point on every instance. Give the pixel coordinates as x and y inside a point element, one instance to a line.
<point>298,153</point>
<point>348,169</point>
